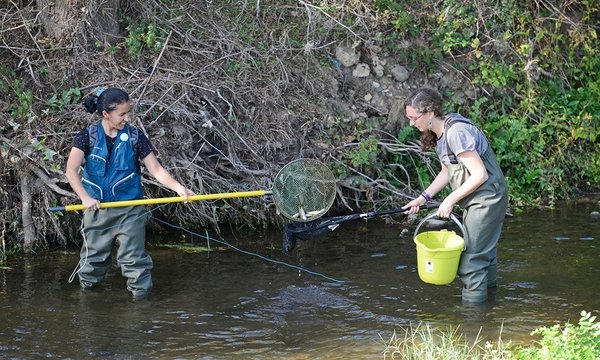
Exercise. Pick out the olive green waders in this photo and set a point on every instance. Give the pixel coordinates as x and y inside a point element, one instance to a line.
<point>483,217</point>
<point>126,226</point>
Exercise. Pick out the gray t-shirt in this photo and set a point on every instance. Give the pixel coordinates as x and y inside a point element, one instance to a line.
<point>460,137</point>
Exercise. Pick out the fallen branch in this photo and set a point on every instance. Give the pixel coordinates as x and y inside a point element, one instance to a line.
<point>51,183</point>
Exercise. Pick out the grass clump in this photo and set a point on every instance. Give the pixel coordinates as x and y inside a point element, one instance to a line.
<point>425,342</point>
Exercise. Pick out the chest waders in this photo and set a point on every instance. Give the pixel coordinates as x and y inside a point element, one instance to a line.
<point>110,178</point>
<point>483,217</point>
<point>127,227</point>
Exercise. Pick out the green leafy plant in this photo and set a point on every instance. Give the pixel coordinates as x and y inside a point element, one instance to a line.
<point>70,96</point>
<point>568,342</point>
<point>539,84</point>
<point>21,109</point>
<point>144,34</point>
<point>394,13</point>
<point>20,99</point>
<point>232,68</point>
<point>407,133</point>
<point>366,152</point>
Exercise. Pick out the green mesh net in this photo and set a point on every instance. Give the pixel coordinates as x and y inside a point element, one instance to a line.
<point>304,190</point>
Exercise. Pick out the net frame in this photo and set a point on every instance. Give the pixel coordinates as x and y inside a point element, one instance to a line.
<point>304,190</point>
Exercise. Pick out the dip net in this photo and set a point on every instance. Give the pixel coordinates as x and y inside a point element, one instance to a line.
<point>304,190</point>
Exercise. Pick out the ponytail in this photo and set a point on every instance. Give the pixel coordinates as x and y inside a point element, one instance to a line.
<point>428,140</point>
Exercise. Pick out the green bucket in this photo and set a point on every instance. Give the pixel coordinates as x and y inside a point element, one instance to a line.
<point>438,253</point>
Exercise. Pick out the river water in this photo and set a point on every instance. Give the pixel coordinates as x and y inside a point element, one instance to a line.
<point>230,304</point>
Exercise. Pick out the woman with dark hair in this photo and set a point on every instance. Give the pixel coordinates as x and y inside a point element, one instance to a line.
<point>469,166</point>
<point>110,153</point>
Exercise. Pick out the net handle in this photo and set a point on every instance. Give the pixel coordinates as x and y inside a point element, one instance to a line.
<point>166,200</point>
<point>336,221</point>
<point>309,231</point>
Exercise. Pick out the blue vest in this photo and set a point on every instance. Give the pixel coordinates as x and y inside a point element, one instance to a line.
<point>118,179</point>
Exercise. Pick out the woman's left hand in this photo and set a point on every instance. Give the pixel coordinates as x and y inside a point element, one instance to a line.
<point>445,208</point>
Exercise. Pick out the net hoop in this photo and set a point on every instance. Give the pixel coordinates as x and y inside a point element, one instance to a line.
<point>304,190</point>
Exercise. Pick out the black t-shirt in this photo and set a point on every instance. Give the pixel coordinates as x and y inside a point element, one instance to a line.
<point>143,147</point>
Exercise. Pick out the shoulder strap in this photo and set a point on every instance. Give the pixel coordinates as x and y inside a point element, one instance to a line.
<point>134,136</point>
<point>449,123</point>
<point>92,135</point>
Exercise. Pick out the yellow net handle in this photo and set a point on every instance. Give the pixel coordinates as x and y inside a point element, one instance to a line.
<point>166,200</point>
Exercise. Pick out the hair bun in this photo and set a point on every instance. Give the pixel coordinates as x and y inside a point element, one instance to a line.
<point>90,103</point>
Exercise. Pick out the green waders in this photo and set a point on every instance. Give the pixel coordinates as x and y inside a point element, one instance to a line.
<point>483,217</point>
<point>126,226</point>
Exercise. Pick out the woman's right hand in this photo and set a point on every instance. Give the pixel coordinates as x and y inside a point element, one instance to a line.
<point>414,205</point>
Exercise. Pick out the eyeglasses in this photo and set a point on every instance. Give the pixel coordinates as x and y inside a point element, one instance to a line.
<point>415,119</point>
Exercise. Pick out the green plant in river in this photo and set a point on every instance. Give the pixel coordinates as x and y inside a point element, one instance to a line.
<point>567,342</point>
<point>194,248</point>
<point>425,342</point>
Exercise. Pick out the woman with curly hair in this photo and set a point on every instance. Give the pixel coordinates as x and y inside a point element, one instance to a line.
<point>469,166</point>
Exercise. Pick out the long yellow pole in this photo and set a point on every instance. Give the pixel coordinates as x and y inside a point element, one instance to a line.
<point>167,200</point>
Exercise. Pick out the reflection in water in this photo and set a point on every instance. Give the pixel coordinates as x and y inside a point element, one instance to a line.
<point>227,304</point>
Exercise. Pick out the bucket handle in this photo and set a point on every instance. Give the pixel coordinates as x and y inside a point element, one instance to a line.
<point>452,217</point>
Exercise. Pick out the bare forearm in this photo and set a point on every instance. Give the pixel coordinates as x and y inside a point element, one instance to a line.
<point>75,182</point>
<point>440,182</point>
<point>163,177</point>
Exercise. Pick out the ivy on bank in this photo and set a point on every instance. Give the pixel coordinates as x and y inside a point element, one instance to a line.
<point>535,66</point>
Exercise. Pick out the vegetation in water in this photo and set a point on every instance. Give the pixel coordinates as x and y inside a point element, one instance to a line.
<point>424,342</point>
<point>568,342</point>
<point>194,248</point>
